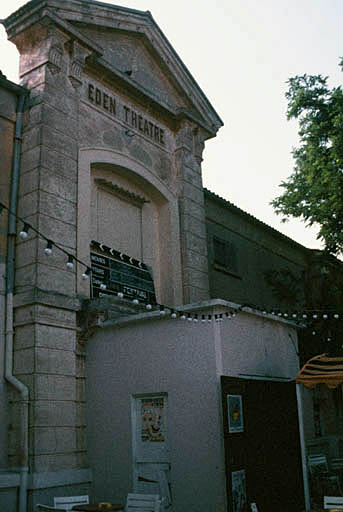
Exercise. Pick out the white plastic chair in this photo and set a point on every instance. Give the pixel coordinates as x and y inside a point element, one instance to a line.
<point>318,463</point>
<point>143,503</point>
<point>67,503</point>
<point>46,508</point>
<point>333,502</point>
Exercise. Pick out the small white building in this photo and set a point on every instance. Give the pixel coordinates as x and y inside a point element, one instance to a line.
<point>197,410</point>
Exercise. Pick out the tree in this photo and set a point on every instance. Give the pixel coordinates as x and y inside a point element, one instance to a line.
<point>314,191</point>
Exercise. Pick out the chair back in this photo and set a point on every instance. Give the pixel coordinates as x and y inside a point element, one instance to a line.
<point>46,508</point>
<point>318,463</point>
<point>143,503</point>
<point>333,502</point>
<point>67,503</point>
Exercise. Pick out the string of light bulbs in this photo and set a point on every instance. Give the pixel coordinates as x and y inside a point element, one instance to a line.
<point>303,317</point>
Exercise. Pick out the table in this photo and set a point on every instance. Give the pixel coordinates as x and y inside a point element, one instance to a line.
<point>95,508</point>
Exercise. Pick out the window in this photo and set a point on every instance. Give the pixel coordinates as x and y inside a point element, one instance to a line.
<point>224,255</point>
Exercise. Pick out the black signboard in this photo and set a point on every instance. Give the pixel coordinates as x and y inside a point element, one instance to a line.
<point>114,272</point>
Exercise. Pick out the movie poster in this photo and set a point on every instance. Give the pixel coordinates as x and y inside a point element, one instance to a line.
<point>235,413</point>
<point>153,420</point>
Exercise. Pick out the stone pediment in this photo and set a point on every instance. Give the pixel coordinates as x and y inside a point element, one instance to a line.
<point>129,44</point>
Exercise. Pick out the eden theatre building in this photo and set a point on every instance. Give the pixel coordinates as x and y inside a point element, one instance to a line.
<point>129,369</point>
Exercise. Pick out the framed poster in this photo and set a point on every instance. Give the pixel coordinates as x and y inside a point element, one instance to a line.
<point>239,494</point>
<point>235,413</point>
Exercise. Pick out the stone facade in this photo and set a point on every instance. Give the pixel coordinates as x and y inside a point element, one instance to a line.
<point>112,108</point>
<point>111,151</point>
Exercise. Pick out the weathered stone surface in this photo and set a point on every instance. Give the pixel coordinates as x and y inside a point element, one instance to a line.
<point>30,159</point>
<point>193,242</point>
<point>55,462</point>
<point>58,185</point>
<point>192,259</point>
<point>54,387</point>
<point>59,163</point>
<point>31,138</point>
<point>194,193</point>
<point>65,103</point>
<point>24,337</point>
<point>55,337</point>
<point>50,278</point>
<point>57,207</point>
<point>60,232</point>
<point>29,182</point>
<point>52,362</point>
<point>53,440</point>
<point>24,361</point>
<point>193,277</point>
<point>193,225</point>
<point>53,414</point>
<point>63,143</point>
<point>28,205</point>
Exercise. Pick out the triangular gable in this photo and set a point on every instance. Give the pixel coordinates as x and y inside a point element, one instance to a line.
<point>130,44</point>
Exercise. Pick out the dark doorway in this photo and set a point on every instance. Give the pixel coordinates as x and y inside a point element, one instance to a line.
<point>262,445</point>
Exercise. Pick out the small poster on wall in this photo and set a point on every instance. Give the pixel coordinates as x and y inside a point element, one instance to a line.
<point>235,413</point>
<point>153,420</point>
<point>239,494</point>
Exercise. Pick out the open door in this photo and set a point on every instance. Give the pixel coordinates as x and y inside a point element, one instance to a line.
<point>262,445</point>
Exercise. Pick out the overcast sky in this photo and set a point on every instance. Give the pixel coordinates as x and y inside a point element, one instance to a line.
<point>242,52</point>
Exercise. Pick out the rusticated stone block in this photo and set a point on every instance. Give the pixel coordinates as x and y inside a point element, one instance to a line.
<point>65,103</point>
<point>30,159</point>
<point>28,204</point>
<point>54,387</point>
<point>53,414</point>
<point>24,361</point>
<point>54,362</point>
<point>59,163</point>
<point>192,192</point>
<point>193,277</point>
<point>57,207</point>
<point>59,142</point>
<point>54,440</point>
<point>31,138</point>
<point>58,185</point>
<point>53,316</point>
<point>193,225</point>
<point>55,462</point>
<point>50,278</point>
<point>29,182</point>
<point>60,232</point>
<point>55,337</point>
<point>24,337</point>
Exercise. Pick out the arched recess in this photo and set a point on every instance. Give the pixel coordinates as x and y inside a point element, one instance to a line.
<point>100,170</point>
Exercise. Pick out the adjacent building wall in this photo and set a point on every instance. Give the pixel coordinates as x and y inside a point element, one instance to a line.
<point>264,268</point>
<point>8,103</point>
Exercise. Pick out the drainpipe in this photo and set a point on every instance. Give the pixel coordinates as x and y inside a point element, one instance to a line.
<point>17,384</point>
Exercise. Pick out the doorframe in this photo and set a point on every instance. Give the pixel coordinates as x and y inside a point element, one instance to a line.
<point>301,428</point>
<point>134,397</point>
<point>303,451</point>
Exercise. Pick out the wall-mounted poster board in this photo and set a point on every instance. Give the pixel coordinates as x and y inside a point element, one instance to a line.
<point>235,413</point>
<point>114,272</point>
<point>239,493</point>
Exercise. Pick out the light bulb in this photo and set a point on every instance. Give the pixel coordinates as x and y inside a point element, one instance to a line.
<point>48,249</point>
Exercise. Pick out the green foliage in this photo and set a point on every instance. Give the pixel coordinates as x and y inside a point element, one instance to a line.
<point>314,191</point>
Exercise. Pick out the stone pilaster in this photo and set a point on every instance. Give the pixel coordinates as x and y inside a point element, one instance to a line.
<point>47,356</point>
<point>188,157</point>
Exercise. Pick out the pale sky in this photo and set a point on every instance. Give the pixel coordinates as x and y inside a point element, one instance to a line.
<point>241,52</point>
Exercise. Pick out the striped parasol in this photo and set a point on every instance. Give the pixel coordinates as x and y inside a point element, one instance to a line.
<point>323,369</point>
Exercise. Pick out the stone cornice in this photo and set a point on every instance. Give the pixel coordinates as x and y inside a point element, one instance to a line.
<point>23,19</point>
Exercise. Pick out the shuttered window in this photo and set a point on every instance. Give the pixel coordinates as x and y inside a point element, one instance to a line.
<point>224,255</point>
